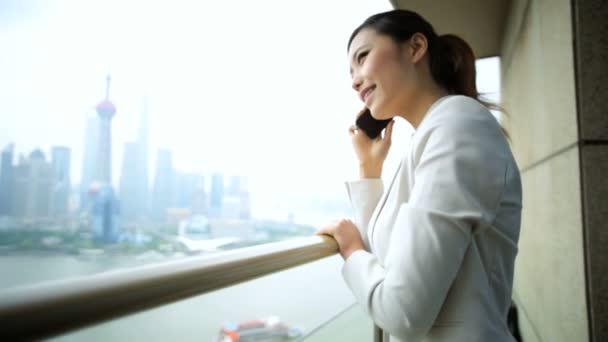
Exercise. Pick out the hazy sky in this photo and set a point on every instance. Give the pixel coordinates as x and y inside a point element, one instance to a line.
<point>259,88</point>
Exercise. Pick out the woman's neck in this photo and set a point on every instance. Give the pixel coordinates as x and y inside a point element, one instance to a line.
<point>424,100</point>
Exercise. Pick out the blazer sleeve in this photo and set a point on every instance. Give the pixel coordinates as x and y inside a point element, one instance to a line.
<point>458,182</point>
<point>364,195</point>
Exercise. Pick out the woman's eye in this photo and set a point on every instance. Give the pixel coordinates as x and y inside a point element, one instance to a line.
<point>362,56</point>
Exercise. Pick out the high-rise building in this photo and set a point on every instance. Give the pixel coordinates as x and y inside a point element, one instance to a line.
<point>142,168</point>
<point>89,160</point>
<point>216,199</point>
<point>234,189</point>
<point>185,190</point>
<point>128,184</point>
<point>32,185</point>
<point>236,202</point>
<point>21,174</point>
<point>6,180</point>
<point>199,205</point>
<point>163,184</point>
<point>60,161</point>
<point>245,200</point>
<point>134,184</point>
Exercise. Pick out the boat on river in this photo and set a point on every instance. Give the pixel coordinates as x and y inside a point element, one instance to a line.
<point>270,329</point>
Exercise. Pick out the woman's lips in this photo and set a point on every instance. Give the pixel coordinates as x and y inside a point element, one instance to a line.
<point>363,94</point>
<point>368,94</point>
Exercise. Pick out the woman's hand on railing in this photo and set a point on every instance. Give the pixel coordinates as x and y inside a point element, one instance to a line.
<point>346,235</point>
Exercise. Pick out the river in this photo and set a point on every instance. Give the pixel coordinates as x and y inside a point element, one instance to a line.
<point>305,296</point>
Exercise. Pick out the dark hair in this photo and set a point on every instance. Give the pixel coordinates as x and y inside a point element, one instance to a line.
<point>451,59</point>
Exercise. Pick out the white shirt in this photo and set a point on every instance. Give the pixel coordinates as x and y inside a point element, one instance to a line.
<point>441,241</point>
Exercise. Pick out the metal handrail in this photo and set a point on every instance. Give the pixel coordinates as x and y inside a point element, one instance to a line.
<point>53,308</point>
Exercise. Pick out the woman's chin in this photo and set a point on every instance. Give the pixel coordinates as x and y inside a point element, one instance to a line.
<point>379,115</point>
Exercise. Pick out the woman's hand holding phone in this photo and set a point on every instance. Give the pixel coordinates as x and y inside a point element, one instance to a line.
<point>371,152</point>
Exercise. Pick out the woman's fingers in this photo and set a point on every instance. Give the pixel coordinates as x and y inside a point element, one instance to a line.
<point>328,229</point>
<point>354,129</point>
<point>322,231</point>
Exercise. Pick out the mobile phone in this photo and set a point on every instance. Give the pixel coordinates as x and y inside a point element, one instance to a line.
<point>372,127</point>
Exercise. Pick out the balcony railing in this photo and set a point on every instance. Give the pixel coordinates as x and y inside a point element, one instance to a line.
<point>54,308</point>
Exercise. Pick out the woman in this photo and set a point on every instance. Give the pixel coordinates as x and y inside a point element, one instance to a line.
<point>431,257</point>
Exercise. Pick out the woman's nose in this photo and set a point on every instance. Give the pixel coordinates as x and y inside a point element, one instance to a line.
<point>357,81</point>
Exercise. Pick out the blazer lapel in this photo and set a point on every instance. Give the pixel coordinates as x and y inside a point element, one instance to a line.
<point>372,225</point>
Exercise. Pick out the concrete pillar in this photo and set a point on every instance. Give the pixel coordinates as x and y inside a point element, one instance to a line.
<point>555,88</point>
<point>591,65</point>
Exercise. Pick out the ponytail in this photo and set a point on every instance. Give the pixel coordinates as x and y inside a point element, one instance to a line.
<point>452,65</point>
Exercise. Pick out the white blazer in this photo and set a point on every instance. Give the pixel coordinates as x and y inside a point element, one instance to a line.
<point>441,240</point>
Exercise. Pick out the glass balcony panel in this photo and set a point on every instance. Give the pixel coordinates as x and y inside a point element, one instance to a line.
<point>304,297</point>
<point>351,325</point>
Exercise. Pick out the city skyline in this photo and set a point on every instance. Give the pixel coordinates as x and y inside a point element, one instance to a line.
<point>37,193</point>
<point>35,188</point>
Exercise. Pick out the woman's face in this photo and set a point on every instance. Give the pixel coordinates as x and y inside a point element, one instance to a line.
<point>382,73</point>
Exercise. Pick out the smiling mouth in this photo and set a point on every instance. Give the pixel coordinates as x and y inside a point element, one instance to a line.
<point>366,94</point>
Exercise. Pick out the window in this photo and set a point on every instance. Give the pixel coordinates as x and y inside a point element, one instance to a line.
<point>488,81</point>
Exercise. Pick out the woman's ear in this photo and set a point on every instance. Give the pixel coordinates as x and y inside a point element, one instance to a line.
<point>418,47</point>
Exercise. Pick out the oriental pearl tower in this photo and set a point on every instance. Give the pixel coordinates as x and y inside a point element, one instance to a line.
<point>106,111</point>
<point>105,207</point>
